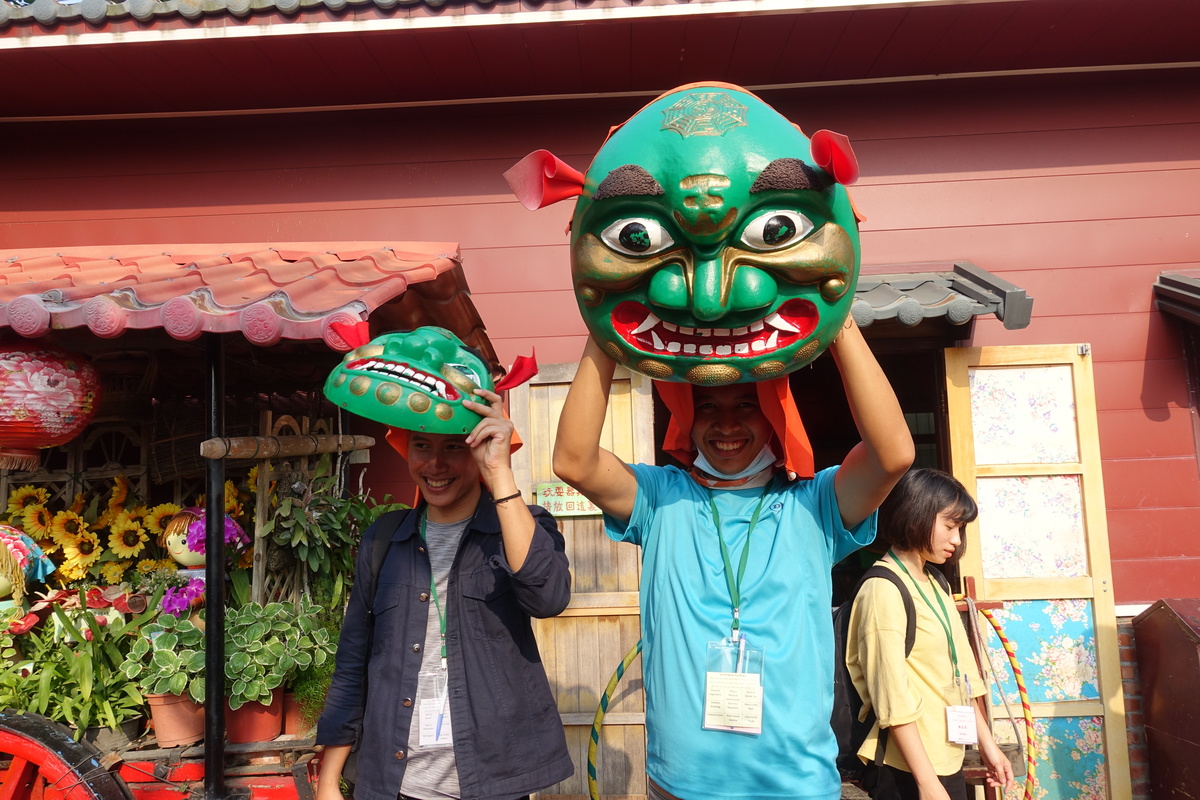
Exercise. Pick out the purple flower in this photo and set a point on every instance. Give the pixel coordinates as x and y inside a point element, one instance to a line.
<point>235,537</point>
<point>177,599</point>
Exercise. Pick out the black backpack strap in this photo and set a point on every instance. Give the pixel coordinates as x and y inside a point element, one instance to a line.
<point>910,611</point>
<point>378,537</point>
<point>910,632</point>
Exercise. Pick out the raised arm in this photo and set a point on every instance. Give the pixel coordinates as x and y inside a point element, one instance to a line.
<point>578,457</point>
<point>886,451</point>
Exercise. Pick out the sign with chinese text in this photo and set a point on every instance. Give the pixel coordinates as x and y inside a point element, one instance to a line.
<point>562,500</point>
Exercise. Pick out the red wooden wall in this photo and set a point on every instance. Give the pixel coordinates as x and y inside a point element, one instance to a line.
<point>1080,189</point>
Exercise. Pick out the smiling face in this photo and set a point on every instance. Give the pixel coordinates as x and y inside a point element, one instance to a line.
<point>416,381</point>
<point>707,247</point>
<point>729,427</point>
<point>446,473</point>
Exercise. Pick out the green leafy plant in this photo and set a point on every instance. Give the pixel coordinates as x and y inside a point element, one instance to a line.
<point>267,646</point>
<point>322,525</point>
<point>168,658</point>
<point>70,671</point>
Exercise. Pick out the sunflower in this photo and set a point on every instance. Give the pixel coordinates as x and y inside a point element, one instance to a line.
<point>232,506</point>
<point>37,520</point>
<point>49,546</point>
<point>168,563</point>
<point>245,559</point>
<point>127,540</point>
<point>70,571</point>
<point>78,504</point>
<point>26,496</point>
<point>84,552</point>
<point>156,518</point>
<point>120,493</point>
<point>252,479</point>
<point>66,527</point>
<point>148,565</point>
<point>114,571</point>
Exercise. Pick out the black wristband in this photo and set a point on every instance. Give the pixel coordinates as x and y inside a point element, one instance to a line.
<point>500,500</point>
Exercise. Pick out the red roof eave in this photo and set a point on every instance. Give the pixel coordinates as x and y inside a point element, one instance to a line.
<point>268,292</point>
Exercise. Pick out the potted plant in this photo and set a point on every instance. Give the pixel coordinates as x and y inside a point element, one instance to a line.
<point>265,646</point>
<point>167,663</point>
<point>321,525</point>
<point>71,672</point>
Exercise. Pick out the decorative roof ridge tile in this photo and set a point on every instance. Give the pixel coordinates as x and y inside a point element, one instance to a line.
<point>48,13</point>
<point>187,290</point>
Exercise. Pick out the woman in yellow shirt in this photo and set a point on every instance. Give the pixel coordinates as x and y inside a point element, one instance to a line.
<point>926,703</point>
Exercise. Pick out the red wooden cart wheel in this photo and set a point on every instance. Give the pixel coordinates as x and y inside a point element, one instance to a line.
<point>40,761</point>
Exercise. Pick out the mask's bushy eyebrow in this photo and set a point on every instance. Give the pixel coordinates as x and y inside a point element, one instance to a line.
<point>790,174</point>
<point>628,181</point>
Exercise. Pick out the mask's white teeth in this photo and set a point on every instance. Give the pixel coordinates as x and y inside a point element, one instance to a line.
<point>758,345</point>
<point>724,350</point>
<point>773,342</point>
<point>689,348</point>
<point>673,347</point>
<point>720,331</point>
<point>778,322</point>
<point>740,331</point>
<point>741,349</point>
<point>756,326</point>
<point>658,343</point>
<point>704,332</point>
<point>706,349</point>
<point>441,390</point>
<point>649,322</point>
<point>671,326</point>
<point>687,331</point>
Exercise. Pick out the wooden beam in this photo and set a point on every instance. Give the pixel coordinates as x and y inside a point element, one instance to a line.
<point>262,447</point>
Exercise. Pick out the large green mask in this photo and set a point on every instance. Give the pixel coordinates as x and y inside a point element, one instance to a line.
<point>416,381</point>
<point>708,246</point>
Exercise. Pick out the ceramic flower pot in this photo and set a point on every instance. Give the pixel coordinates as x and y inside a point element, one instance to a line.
<point>107,740</point>
<point>178,720</point>
<point>255,722</point>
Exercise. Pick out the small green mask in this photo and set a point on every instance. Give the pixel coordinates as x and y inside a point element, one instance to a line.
<point>708,246</point>
<point>416,381</point>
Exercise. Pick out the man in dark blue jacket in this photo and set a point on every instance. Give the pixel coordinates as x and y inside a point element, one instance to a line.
<point>458,703</point>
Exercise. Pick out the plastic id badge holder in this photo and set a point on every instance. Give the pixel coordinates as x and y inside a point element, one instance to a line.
<point>433,710</point>
<point>960,717</point>
<point>733,689</point>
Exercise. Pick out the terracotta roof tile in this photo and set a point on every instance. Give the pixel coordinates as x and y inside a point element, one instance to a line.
<point>268,292</point>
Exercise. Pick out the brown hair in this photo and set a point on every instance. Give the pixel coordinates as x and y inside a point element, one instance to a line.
<point>907,516</point>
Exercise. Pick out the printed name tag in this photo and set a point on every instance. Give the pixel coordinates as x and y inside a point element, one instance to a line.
<point>960,725</point>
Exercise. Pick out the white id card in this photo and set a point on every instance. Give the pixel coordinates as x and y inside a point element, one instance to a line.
<point>433,710</point>
<point>733,690</point>
<point>960,725</point>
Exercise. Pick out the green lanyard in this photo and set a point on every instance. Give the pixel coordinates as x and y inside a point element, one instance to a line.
<point>735,584</point>
<point>433,593</point>
<point>943,618</point>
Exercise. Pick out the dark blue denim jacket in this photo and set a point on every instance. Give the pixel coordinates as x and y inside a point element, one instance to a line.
<point>508,737</point>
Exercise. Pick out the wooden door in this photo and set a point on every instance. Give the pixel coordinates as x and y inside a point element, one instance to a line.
<point>583,646</point>
<point>1024,441</point>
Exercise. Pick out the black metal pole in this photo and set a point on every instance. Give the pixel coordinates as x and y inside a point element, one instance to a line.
<point>214,578</point>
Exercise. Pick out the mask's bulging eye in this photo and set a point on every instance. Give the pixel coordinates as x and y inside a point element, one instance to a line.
<point>776,229</point>
<point>466,372</point>
<point>637,237</point>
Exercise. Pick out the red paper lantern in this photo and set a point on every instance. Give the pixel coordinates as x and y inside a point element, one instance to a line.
<point>47,397</point>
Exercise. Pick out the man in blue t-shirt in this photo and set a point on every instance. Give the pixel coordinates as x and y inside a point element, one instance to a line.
<point>736,556</point>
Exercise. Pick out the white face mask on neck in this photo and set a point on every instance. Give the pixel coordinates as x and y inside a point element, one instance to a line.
<point>765,458</point>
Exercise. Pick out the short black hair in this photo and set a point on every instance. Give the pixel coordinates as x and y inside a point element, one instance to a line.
<point>907,515</point>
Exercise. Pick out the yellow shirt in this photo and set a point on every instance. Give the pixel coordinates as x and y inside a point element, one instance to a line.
<point>917,689</point>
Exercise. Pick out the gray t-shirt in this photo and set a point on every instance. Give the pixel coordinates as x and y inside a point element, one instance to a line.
<point>431,773</point>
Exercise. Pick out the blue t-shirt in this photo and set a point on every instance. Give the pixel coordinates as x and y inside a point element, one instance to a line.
<point>786,597</point>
